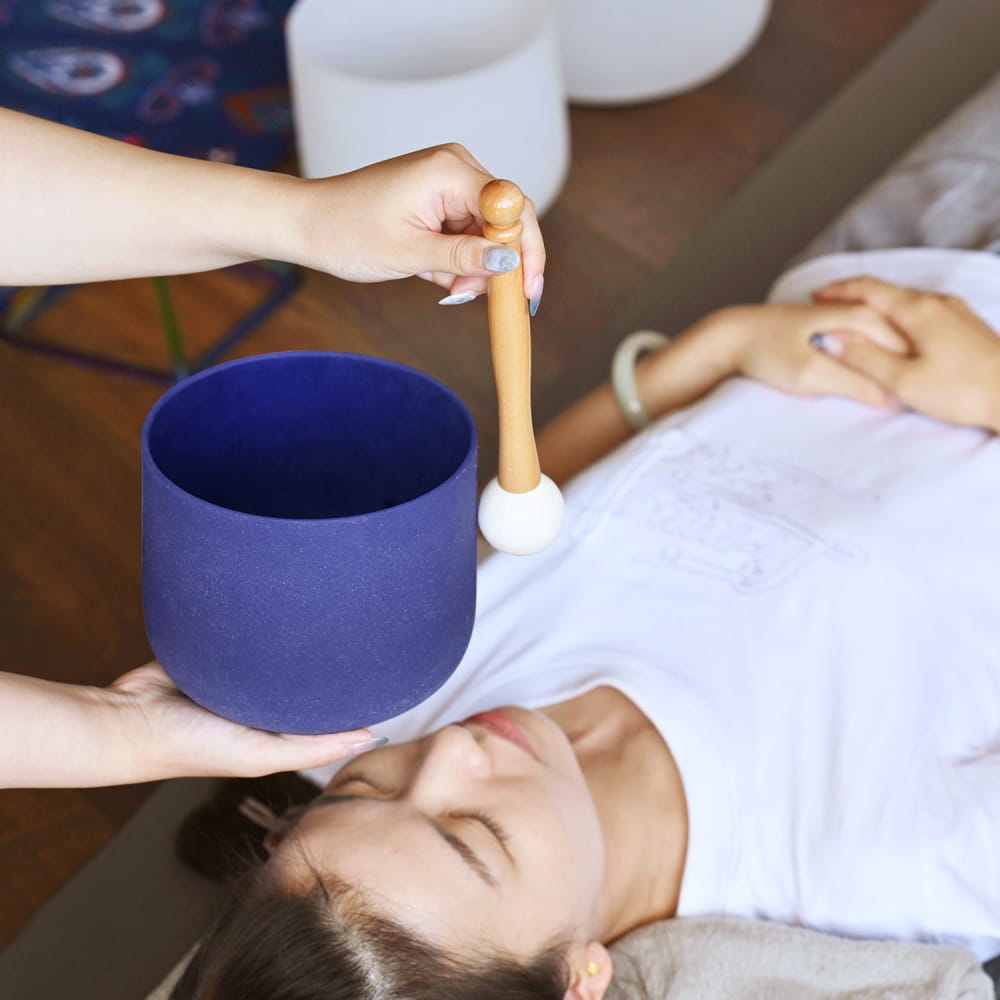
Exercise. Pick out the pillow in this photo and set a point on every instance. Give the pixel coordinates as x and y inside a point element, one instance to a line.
<point>732,959</point>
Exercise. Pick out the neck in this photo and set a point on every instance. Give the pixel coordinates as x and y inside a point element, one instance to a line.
<point>640,801</point>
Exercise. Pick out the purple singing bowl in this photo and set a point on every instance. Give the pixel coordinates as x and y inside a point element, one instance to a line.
<point>309,538</point>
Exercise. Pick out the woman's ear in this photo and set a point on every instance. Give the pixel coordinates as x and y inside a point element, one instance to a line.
<point>591,970</point>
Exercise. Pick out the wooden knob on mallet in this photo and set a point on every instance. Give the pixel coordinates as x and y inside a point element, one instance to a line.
<point>521,510</point>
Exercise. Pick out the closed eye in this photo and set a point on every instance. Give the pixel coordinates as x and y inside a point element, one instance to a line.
<point>470,857</point>
<point>494,828</point>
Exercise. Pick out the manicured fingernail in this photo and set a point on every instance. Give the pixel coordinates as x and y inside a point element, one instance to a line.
<point>828,343</point>
<point>365,745</point>
<point>536,295</point>
<point>456,300</point>
<point>500,260</point>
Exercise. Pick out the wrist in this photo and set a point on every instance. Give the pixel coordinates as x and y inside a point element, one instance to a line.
<point>130,748</point>
<point>725,336</point>
<point>269,216</point>
<point>691,365</point>
<point>307,217</point>
<point>245,214</point>
<point>707,352</point>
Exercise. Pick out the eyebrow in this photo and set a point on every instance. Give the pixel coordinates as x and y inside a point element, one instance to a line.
<point>459,846</point>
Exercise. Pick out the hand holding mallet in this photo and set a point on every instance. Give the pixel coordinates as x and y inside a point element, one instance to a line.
<point>521,510</point>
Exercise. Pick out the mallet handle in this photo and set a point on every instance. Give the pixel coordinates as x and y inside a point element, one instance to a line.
<point>501,203</point>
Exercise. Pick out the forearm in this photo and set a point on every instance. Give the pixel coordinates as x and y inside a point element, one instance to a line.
<point>64,735</point>
<point>80,207</point>
<point>680,373</point>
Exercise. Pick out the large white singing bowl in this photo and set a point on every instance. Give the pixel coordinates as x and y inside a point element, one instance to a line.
<point>628,51</point>
<point>375,78</point>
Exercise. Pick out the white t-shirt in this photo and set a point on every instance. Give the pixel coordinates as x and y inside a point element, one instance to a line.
<point>804,597</point>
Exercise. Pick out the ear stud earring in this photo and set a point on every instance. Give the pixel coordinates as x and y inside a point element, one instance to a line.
<point>592,968</point>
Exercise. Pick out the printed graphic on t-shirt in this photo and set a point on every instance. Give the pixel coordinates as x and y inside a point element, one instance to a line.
<point>743,519</point>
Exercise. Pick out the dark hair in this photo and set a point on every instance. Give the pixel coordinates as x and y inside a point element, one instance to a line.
<point>328,945</point>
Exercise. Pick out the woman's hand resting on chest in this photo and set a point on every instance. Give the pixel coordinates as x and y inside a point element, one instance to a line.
<point>950,368</point>
<point>776,344</point>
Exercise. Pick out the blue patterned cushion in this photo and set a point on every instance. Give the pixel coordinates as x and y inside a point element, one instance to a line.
<point>203,78</point>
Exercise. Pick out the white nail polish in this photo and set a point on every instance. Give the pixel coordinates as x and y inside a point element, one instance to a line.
<point>457,300</point>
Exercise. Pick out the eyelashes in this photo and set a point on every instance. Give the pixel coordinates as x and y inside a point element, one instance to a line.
<point>490,824</point>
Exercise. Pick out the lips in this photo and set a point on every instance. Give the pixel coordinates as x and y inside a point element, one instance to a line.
<point>506,728</point>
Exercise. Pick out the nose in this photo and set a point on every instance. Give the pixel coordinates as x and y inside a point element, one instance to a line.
<point>451,759</point>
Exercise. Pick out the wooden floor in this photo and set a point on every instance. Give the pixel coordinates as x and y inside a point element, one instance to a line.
<point>643,179</point>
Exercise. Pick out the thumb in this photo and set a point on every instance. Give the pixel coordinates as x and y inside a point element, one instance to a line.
<point>464,254</point>
<point>293,752</point>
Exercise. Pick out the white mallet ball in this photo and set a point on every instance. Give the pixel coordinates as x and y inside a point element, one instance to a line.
<point>521,523</point>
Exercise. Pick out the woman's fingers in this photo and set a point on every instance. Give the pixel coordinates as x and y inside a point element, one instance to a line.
<point>938,326</point>
<point>428,204</point>
<point>865,359</point>
<point>472,256</point>
<point>184,738</point>
<point>458,291</point>
<point>277,752</point>
<point>862,318</point>
<point>913,312</point>
<point>886,297</point>
<point>467,205</point>
<point>829,377</point>
<point>532,254</point>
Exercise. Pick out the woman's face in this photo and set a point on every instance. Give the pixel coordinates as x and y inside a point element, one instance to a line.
<point>481,833</point>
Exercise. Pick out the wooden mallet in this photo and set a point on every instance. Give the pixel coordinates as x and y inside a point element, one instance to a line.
<point>521,510</point>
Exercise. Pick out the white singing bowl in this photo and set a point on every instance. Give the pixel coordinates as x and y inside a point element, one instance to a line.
<point>521,524</point>
<point>372,79</point>
<point>630,51</point>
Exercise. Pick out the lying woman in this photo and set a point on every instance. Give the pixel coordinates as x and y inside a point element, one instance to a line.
<point>758,675</point>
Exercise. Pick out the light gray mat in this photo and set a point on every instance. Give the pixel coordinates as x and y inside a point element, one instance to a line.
<point>122,923</point>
